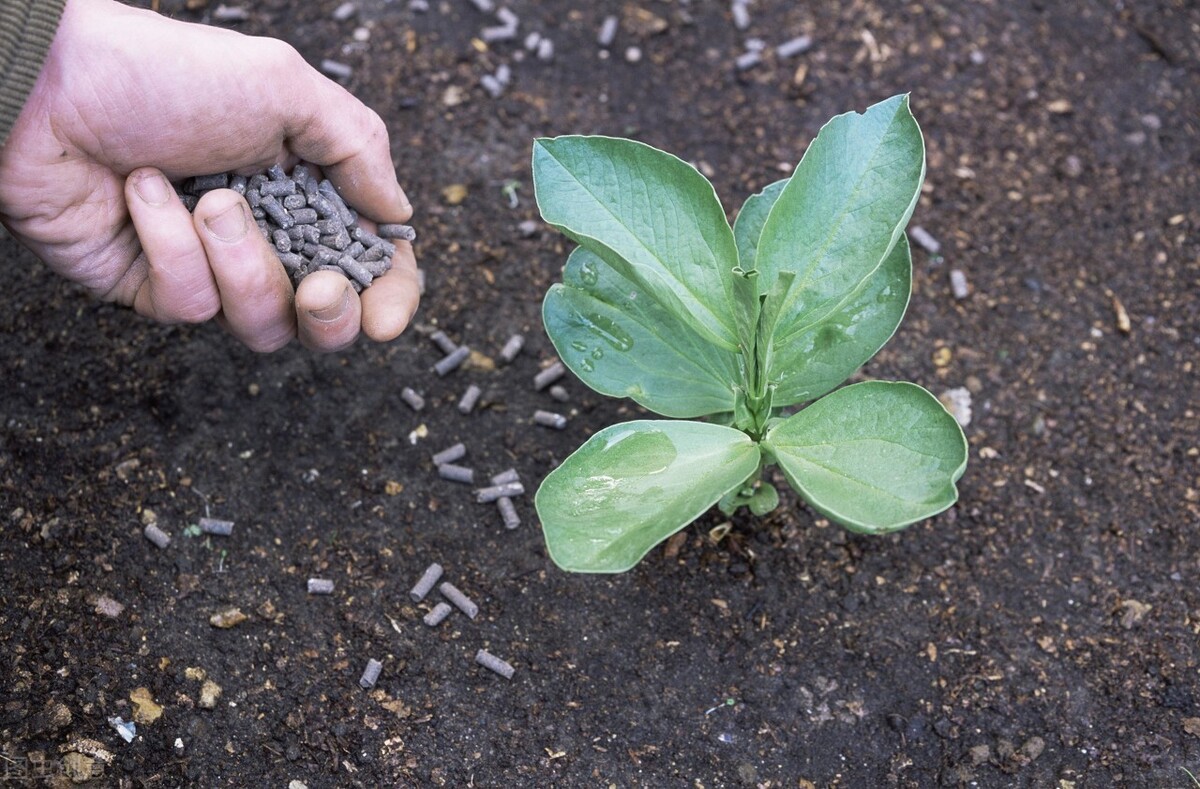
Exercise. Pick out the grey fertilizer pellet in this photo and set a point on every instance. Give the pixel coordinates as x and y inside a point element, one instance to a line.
<point>456,473</point>
<point>549,375</point>
<point>491,85</point>
<point>432,574</point>
<point>545,50</point>
<point>333,68</point>
<point>414,400</point>
<point>958,284</point>
<point>496,33</point>
<point>344,12</point>
<point>560,394</point>
<point>493,663</point>
<point>356,270</point>
<point>549,419</point>
<point>442,341</point>
<point>370,674</point>
<point>608,31</point>
<point>741,15</point>
<point>508,512</point>
<point>466,403</point>
<point>396,230</point>
<point>747,60</point>
<point>507,490</point>
<point>506,476</point>
<point>438,614</point>
<point>278,188</point>
<point>238,184</point>
<point>924,240</point>
<point>484,6</point>
<point>460,600</point>
<point>797,46</point>
<point>532,40</point>
<point>450,454</point>
<point>452,362</point>
<point>202,183</point>
<point>503,74</point>
<point>230,13</point>
<point>276,173</point>
<point>272,208</point>
<point>320,586</point>
<point>512,348</point>
<point>282,241</point>
<point>218,527</point>
<point>507,17</point>
<point>330,192</point>
<point>294,202</point>
<point>156,535</point>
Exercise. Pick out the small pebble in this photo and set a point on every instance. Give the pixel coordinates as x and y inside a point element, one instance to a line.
<point>493,663</point>
<point>512,348</point>
<point>370,674</point>
<point>450,454</point>
<point>456,473</point>
<point>320,586</point>
<point>549,419</point>
<point>430,577</point>
<point>633,54</point>
<point>549,375</point>
<point>958,402</point>
<point>218,527</point>
<point>452,362</point>
<point>438,614</point>
<point>924,240</point>
<point>470,397</point>
<point>414,400</point>
<point>958,284</point>
<point>508,512</point>
<point>460,600</point>
<point>156,535</point>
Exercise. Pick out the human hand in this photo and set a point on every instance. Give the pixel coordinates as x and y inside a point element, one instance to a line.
<point>128,99</point>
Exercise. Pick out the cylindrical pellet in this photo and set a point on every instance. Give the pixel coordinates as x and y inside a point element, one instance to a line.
<point>447,345</point>
<point>294,202</point>
<point>747,59</point>
<point>304,216</point>
<point>491,85</point>
<point>493,663</point>
<point>423,586</point>
<point>549,375</point>
<point>278,188</point>
<point>507,490</point>
<point>466,403</point>
<point>512,347</point>
<point>456,473</point>
<point>506,476</point>
<point>438,614</point>
<point>508,512</point>
<point>320,586</point>
<point>335,69</point>
<point>498,33</point>
<point>460,600</point>
<point>273,209</point>
<point>549,419</point>
<point>156,535</point>
<point>485,6</point>
<point>395,230</point>
<point>450,454</point>
<point>282,241</point>
<point>238,184</point>
<point>741,15</point>
<point>608,31</point>
<point>355,270</point>
<point>330,191</point>
<point>202,183</point>
<point>290,260</point>
<point>507,17</point>
<point>958,284</point>
<point>370,674</point>
<point>922,238</point>
<point>451,363</point>
<point>218,527</point>
<point>414,400</point>
<point>545,50</point>
<point>796,46</point>
<point>559,393</point>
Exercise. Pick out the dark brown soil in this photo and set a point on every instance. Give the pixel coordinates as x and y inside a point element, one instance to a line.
<point>1045,632</point>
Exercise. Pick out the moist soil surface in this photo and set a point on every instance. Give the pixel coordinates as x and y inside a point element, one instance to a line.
<point>1043,632</point>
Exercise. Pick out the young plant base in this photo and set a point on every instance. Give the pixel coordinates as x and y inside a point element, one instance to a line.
<point>665,303</point>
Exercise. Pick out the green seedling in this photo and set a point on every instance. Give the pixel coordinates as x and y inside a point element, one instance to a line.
<point>665,303</point>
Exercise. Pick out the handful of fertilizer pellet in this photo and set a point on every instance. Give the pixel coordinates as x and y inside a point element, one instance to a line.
<point>307,223</point>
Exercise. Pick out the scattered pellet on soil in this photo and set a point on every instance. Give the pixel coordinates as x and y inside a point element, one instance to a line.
<point>922,238</point>
<point>452,362</point>
<point>796,46</point>
<point>559,393</point>
<point>512,347</point>
<point>447,345</point>
<point>344,11</point>
<point>528,228</point>
<point>492,85</point>
<point>215,526</point>
<point>438,614</point>
<point>460,600</point>
<point>608,31</point>
<point>230,13</point>
<point>545,50</point>
<point>450,454</point>
<point>493,663</point>
<point>336,69</point>
<point>425,583</point>
<point>456,473</point>
<point>958,284</point>
<point>503,74</point>
<point>370,674</point>
<point>633,54</point>
<point>532,40</point>
<point>549,419</point>
<point>156,535</point>
<point>506,476</point>
<point>549,375</point>
<point>747,60</point>
<point>484,6</point>
<point>741,14</point>
<point>466,403</point>
<point>320,586</point>
<point>414,400</point>
<point>507,490</point>
<point>508,512</point>
<point>507,17</point>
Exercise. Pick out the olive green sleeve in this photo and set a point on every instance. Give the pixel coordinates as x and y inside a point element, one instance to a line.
<point>26,30</point>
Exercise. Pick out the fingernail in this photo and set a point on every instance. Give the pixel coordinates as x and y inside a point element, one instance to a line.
<point>153,189</point>
<point>335,310</point>
<point>229,225</point>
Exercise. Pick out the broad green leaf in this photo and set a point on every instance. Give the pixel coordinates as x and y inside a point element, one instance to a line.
<point>842,211</point>
<point>874,456</point>
<point>633,485</point>
<point>618,340</point>
<point>652,217</point>
<point>814,362</point>
<point>747,228</point>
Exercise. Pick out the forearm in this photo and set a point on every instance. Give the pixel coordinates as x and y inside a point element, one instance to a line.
<point>26,29</point>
